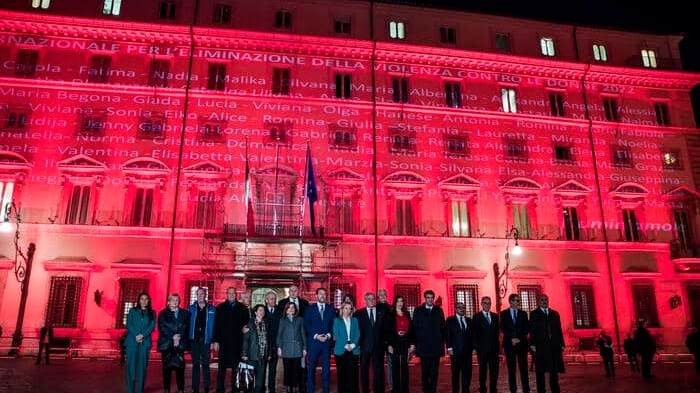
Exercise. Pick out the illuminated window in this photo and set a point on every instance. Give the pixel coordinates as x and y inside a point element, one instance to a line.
<point>521,220</point>
<point>222,14</point>
<point>399,88</point>
<point>556,104</point>
<point>64,301</point>
<point>397,30</point>
<point>644,298</point>
<point>661,112</point>
<point>529,295</point>
<point>6,190</point>
<point>583,306</point>
<point>631,225</point>
<point>467,294</point>
<point>448,35</point>
<point>342,24</point>
<point>411,294</point>
<point>515,149</point>
<point>129,290</point>
<point>562,154</point>
<point>405,216</point>
<point>43,4</point>
<point>453,96</point>
<point>151,127</point>
<point>682,223</point>
<point>280,81</point>
<point>205,210</point>
<point>547,46</point>
<point>142,209</point>
<point>16,119</point>
<point>621,156</point>
<point>572,229</point>
<point>456,146</point>
<point>217,76</point>
<point>610,106</point>
<point>25,64</point>
<point>99,69</point>
<point>112,7</point>
<point>167,10</point>
<point>600,53</point>
<point>93,122</point>
<point>508,100</point>
<point>340,289</point>
<point>341,214</point>
<point>343,85</point>
<point>192,286</point>
<point>402,141</point>
<point>672,159</point>
<point>460,225</point>
<point>78,209</point>
<point>503,42</point>
<point>649,58</point>
<point>283,19</point>
<point>158,72</point>
<point>341,137</point>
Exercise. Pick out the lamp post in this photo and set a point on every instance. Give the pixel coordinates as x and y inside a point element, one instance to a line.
<point>23,271</point>
<point>501,277</point>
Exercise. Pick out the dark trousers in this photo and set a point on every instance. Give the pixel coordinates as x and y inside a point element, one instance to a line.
<point>179,378</point>
<point>553,382</point>
<point>399,366</point>
<point>271,374</point>
<point>376,360</point>
<point>200,361</point>
<point>517,358</point>
<point>319,353</point>
<point>609,363</point>
<point>429,371</point>
<point>221,374</point>
<point>43,347</point>
<point>292,372</point>
<point>259,374</point>
<point>646,365</point>
<point>346,365</point>
<point>488,364</point>
<point>634,362</point>
<point>461,366</point>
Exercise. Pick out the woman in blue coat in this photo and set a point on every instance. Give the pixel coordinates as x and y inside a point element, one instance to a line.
<point>346,331</point>
<point>139,325</point>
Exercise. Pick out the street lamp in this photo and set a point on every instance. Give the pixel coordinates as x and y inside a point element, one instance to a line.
<point>22,270</point>
<point>501,277</point>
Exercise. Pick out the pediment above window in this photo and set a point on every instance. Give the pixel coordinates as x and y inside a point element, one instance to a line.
<point>681,193</point>
<point>66,264</point>
<point>571,187</point>
<point>404,184</point>
<point>13,167</point>
<point>629,191</point>
<point>520,190</point>
<point>145,167</point>
<point>137,264</point>
<point>459,186</point>
<point>276,170</point>
<point>205,170</point>
<point>81,167</point>
<point>343,176</point>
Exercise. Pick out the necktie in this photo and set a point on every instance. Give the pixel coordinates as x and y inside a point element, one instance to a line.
<point>546,312</point>
<point>371,315</point>
<point>514,315</point>
<point>322,311</point>
<point>462,324</point>
<point>272,310</point>
<point>488,317</point>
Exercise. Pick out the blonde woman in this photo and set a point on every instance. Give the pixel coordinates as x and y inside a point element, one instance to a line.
<point>346,331</point>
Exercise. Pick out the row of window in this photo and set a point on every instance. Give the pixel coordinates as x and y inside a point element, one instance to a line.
<point>342,25</point>
<point>65,299</point>
<point>100,67</point>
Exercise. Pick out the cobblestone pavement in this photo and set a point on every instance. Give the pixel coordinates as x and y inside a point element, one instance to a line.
<point>107,376</point>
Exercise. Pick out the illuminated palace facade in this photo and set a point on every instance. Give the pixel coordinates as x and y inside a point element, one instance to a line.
<point>438,139</point>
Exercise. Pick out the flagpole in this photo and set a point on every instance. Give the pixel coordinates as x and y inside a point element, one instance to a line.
<point>274,198</point>
<point>247,190</point>
<point>306,185</point>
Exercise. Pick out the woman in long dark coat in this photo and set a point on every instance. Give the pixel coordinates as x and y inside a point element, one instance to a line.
<point>291,346</point>
<point>547,343</point>
<point>173,328</point>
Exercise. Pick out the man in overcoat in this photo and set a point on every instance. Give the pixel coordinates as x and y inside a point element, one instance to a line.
<point>230,318</point>
<point>547,344</point>
<point>429,323</point>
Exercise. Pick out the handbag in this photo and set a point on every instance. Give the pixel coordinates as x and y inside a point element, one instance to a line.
<point>245,377</point>
<point>173,359</point>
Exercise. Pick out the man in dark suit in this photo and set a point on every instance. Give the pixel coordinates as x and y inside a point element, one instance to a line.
<point>604,343</point>
<point>372,347</point>
<point>301,304</point>
<point>45,341</point>
<point>318,323</point>
<point>429,323</point>
<point>486,332</point>
<point>273,323</point>
<point>547,343</point>
<point>229,319</point>
<point>646,347</point>
<point>514,326</point>
<point>460,345</point>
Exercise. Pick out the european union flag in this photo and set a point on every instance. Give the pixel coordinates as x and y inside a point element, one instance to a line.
<point>311,191</point>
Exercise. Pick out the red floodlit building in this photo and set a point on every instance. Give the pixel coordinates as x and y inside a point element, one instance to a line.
<point>164,145</point>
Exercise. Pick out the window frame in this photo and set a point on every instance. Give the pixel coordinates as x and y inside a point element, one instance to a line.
<point>344,287</point>
<point>400,88</point>
<point>217,73</point>
<point>611,109</point>
<point>397,30</point>
<point>223,14</point>
<point>586,307</point>
<point>453,94</point>
<point>556,104</point>
<point>649,58</point>
<point>283,19</point>
<point>62,309</point>
<point>342,24</point>
<point>26,60</point>
<point>661,113</point>
<point>41,4</point>
<point>167,10</point>
<point>509,97</point>
<point>448,35</point>
<point>600,53</point>
<point>347,140</point>
<point>411,293</point>
<point>644,288</point>
<point>281,81</point>
<point>524,291</point>
<point>547,47</point>
<point>467,294</point>
<point>111,7</point>
<point>129,289</point>
<point>343,85</point>
<point>671,159</point>
<point>158,66</point>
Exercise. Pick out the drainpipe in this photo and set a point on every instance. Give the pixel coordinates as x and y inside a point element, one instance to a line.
<point>601,210</point>
<point>185,110</point>
<point>374,145</point>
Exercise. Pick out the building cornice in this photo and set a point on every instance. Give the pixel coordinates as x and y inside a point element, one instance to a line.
<point>147,33</point>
